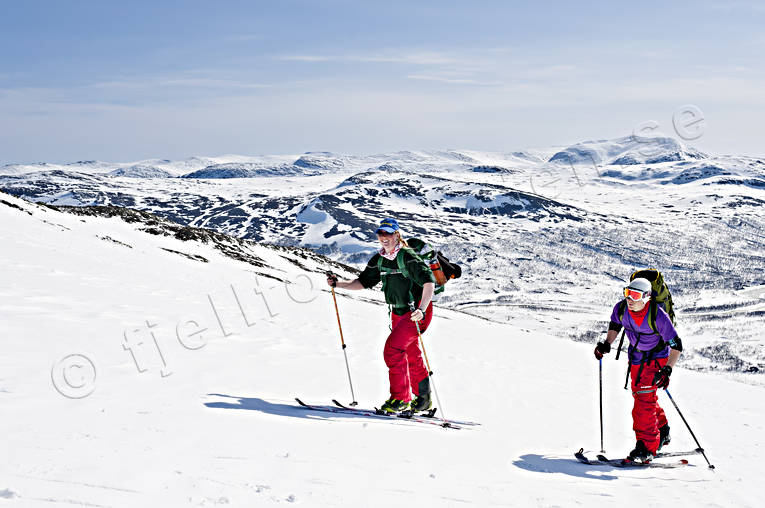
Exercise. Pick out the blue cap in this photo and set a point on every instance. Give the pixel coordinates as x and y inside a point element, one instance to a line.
<point>388,225</point>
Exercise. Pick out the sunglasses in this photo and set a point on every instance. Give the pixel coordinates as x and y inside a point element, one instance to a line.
<point>636,295</point>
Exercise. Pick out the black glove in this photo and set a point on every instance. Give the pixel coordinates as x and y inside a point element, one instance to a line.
<point>332,279</point>
<point>601,349</point>
<point>661,378</point>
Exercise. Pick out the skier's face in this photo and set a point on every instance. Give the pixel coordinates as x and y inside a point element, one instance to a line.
<point>387,240</point>
<point>635,305</point>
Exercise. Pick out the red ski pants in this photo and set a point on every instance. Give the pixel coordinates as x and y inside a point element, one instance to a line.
<point>403,357</point>
<point>647,415</point>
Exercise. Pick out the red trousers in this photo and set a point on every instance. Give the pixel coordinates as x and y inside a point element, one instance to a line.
<point>647,415</point>
<point>403,357</point>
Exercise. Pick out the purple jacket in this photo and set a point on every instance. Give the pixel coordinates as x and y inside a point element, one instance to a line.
<point>642,338</point>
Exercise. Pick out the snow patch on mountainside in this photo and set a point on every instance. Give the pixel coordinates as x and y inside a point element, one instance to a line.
<point>627,151</point>
<point>141,171</point>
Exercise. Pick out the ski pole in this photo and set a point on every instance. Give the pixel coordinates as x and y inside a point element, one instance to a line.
<point>600,362</point>
<point>342,340</point>
<point>689,428</point>
<point>430,372</point>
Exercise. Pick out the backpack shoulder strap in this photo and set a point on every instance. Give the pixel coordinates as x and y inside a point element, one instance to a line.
<point>622,308</point>
<point>401,263</point>
<point>653,311</point>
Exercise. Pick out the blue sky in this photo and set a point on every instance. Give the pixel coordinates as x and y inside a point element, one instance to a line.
<point>124,81</point>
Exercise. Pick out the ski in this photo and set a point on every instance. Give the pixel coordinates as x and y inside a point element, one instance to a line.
<point>373,414</point>
<point>659,455</point>
<point>603,461</point>
<point>603,458</point>
<point>697,451</point>
<point>410,415</point>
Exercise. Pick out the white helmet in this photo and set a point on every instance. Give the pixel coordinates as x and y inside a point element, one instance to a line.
<point>643,286</point>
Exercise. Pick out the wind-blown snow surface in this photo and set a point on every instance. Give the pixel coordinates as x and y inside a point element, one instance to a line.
<point>211,421</point>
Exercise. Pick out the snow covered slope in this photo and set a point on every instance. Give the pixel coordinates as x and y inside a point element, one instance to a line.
<point>543,232</point>
<point>146,364</point>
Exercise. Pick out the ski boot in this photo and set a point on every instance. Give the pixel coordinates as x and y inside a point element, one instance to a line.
<point>640,454</point>
<point>664,438</point>
<point>422,402</point>
<point>392,405</point>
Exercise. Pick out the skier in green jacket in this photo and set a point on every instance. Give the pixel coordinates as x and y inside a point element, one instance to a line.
<point>408,284</point>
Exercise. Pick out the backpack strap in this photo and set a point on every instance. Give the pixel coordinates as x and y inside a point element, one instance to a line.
<point>402,270</point>
<point>401,264</point>
<point>653,311</point>
<point>384,272</point>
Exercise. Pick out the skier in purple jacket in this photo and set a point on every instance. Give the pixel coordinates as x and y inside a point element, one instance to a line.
<point>654,349</point>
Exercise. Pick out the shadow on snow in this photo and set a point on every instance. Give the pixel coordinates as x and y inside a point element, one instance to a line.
<point>292,410</point>
<point>541,464</point>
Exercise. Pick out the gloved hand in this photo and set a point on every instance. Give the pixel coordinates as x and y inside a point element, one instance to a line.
<point>332,279</point>
<point>601,349</point>
<point>661,378</point>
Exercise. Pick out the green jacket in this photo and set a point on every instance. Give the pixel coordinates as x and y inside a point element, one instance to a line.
<point>399,289</point>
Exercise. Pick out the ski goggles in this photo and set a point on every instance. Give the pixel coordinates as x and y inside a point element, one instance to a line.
<point>635,295</point>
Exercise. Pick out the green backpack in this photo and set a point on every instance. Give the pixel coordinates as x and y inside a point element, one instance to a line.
<point>442,268</point>
<point>660,297</point>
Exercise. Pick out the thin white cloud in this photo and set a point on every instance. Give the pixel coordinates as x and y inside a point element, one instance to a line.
<point>415,58</point>
<point>549,71</point>
<point>306,58</point>
<point>158,81</point>
<point>452,81</point>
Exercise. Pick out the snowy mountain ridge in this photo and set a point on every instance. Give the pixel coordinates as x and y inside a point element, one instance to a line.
<point>627,151</point>
<point>530,234</point>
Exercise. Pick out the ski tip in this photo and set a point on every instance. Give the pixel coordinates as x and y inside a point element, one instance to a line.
<point>580,456</point>
<point>340,404</point>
